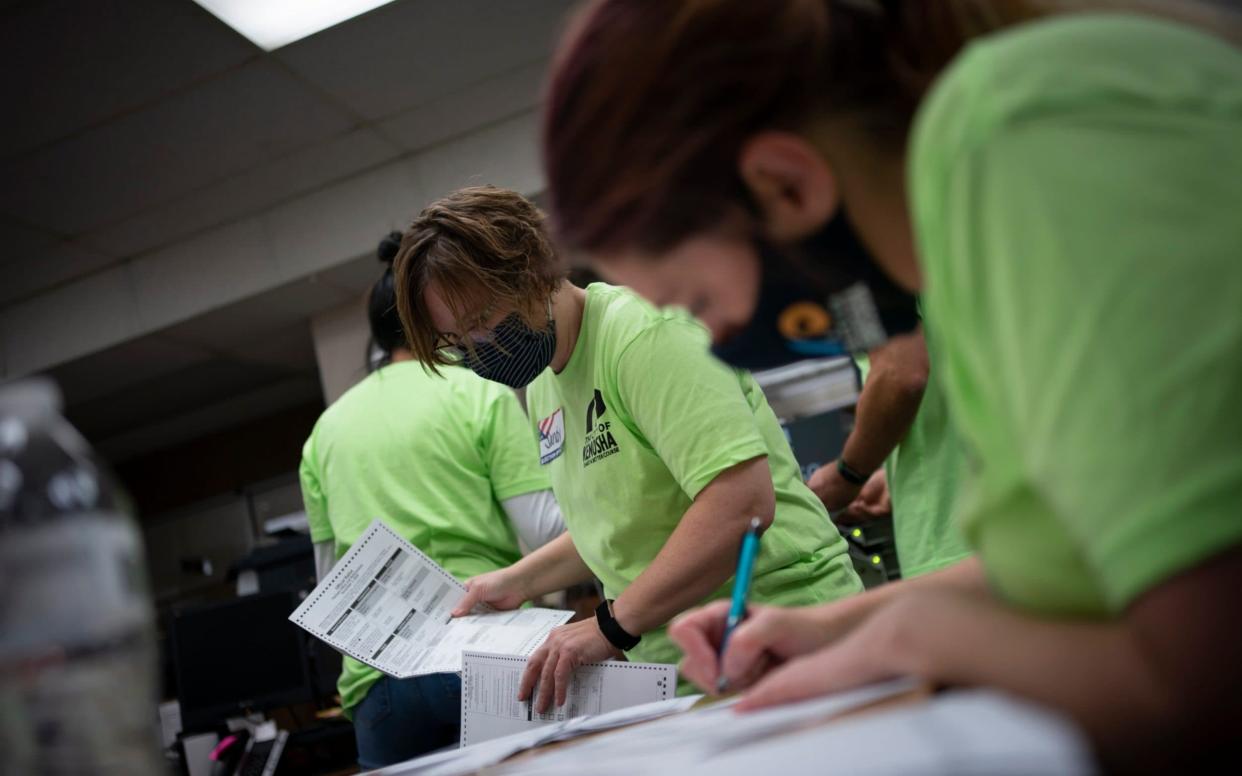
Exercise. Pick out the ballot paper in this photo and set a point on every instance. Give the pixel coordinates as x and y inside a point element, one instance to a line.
<point>489,693</point>
<point>388,605</point>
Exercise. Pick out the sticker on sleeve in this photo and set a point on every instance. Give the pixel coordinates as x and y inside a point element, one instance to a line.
<point>551,437</point>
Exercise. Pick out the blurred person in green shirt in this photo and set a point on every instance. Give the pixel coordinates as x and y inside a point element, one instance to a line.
<point>902,420</point>
<point>1062,190</point>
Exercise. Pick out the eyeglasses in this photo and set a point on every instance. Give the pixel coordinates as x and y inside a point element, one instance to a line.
<point>455,346</point>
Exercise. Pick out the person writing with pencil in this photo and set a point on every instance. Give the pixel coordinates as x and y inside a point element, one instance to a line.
<point>1062,189</point>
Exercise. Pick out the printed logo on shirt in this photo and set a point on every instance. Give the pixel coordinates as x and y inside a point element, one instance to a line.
<point>600,442</point>
<point>551,437</point>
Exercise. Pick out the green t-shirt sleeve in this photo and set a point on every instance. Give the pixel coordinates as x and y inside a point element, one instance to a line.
<point>1097,316</point>
<point>688,406</point>
<point>509,448</point>
<point>313,497</point>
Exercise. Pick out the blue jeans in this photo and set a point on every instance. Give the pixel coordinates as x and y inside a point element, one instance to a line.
<point>404,718</point>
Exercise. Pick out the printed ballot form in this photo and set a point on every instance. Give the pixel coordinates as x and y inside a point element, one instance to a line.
<point>489,691</point>
<point>388,605</point>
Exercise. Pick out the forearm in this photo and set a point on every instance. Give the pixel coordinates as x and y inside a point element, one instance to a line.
<point>839,617</point>
<point>889,402</point>
<point>1093,672</point>
<point>554,566</point>
<point>701,553</point>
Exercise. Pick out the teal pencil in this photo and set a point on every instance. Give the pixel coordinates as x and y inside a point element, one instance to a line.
<point>741,590</point>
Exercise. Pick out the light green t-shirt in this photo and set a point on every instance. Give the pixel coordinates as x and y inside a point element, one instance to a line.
<point>923,474</point>
<point>640,420</point>
<point>1076,187</point>
<point>432,457</point>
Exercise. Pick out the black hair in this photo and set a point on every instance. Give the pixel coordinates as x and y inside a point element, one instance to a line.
<point>386,332</point>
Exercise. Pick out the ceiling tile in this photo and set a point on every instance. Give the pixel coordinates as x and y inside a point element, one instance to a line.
<point>95,312</point>
<point>328,226</point>
<point>500,154</point>
<point>34,261</point>
<point>247,193</point>
<point>167,395</point>
<point>50,266</point>
<point>18,243</point>
<point>454,114</point>
<point>355,276</point>
<point>291,347</point>
<point>410,52</point>
<point>226,410</point>
<point>236,327</point>
<point>241,119</point>
<point>186,279</point>
<point>115,369</point>
<point>66,65</point>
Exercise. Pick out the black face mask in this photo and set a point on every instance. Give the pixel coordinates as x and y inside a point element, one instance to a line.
<point>516,353</point>
<point>825,297</point>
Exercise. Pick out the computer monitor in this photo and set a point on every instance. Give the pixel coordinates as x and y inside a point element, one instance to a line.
<point>238,655</point>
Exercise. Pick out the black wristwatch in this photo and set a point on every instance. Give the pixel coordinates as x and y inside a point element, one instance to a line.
<point>619,637</point>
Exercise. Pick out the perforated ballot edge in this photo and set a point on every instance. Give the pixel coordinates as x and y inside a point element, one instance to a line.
<point>668,689</point>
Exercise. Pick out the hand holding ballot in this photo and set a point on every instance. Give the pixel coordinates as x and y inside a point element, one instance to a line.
<point>501,589</point>
<point>388,605</point>
<point>549,670</point>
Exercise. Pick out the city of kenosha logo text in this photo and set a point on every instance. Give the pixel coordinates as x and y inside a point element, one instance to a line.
<point>600,442</point>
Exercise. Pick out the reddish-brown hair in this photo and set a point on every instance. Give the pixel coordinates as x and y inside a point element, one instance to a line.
<point>484,248</point>
<point>650,101</point>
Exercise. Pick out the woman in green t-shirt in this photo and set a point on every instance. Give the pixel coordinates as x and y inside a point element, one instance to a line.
<point>1063,190</point>
<point>659,455</point>
<point>448,463</point>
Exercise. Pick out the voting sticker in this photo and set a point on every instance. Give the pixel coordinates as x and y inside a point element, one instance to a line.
<point>551,437</point>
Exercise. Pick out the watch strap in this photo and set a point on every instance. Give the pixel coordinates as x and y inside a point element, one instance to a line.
<point>617,636</point>
<point>850,474</point>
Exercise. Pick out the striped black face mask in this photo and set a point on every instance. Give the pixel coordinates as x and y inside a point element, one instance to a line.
<point>514,354</point>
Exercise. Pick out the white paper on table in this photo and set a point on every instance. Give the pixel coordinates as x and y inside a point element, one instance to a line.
<point>675,744</point>
<point>959,733</point>
<point>458,762</point>
<point>489,690</point>
<point>630,715</point>
<point>389,606</point>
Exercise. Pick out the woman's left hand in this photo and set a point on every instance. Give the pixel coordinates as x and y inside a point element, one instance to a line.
<point>566,648</point>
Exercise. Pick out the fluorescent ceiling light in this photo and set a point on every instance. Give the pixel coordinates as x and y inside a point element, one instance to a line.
<point>272,23</point>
